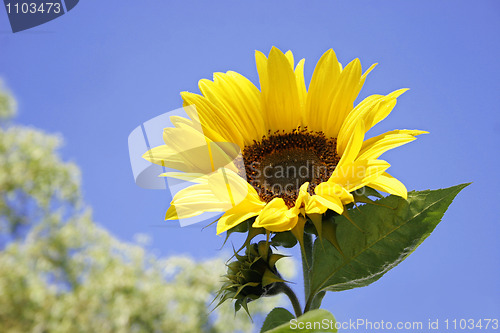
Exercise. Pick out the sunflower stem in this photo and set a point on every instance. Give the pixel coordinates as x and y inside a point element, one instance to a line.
<point>307,262</point>
<point>314,301</point>
<point>293,299</point>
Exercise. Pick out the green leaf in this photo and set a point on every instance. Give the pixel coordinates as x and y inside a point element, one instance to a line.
<point>390,233</point>
<point>275,318</point>
<point>367,192</point>
<point>313,321</point>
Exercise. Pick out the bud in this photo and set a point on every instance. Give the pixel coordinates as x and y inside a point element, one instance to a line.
<point>251,276</point>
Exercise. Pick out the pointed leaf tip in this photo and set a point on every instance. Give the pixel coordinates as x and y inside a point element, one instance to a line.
<point>390,235</point>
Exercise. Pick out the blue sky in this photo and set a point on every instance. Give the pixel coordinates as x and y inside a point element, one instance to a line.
<point>96,73</point>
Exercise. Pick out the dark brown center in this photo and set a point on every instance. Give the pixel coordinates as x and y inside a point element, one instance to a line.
<point>280,163</point>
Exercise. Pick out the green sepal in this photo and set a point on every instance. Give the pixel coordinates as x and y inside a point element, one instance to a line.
<point>317,219</point>
<point>298,232</point>
<point>244,304</point>
<point>244,227</point>
<point>309,228</point>
<point>273,258</point>
<point>330,233</point>
<point>284,238</point>
<point>263,248</point>
<point>252,233</point>
<point>362,196</point>
<point>347,215</point>
<point>269,277</point>
<point>364,199</point>
<point>224,298</point>
<point>248,284</point>
<point>251,276</point>
<point>241,228</point>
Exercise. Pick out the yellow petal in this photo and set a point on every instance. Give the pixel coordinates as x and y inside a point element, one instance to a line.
<point>230,220</point>
<point>282,105</point>
<point>374,147</point>
<point>178,121</point>
<point>238,98</point>
<point>248,208</point>
<point>384,109</point>
<point>215,124</point>
<point>171,214</point>
<point>218,192</point>
<point>199,178</point>
<point>343,100</point>
<point>321,91</point>
<point>313,206</point>
<point>188,150</point>
<point>301,85</point>
<point>353,118</point>
<point>195,200</point>
<point>347,102</point>
<point>358,174</point>
<point>228,186</point>
<point>248,95</point>
<point>308,203</point>
<point>331,202</point>
<point>261,62</point>
<point>301,198</point>
<point>354,145</point>
<point>387,183</point>
<point>363,78</point>
<point>159,155</point>
<point>276,217</point>
<point>289,57</point>
<point>221,99</point>
<point>326,189</point>
<point>195,159</point>
<point>371,110</point>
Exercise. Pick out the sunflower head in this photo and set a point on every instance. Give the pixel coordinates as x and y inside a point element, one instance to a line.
<point>284,153</point>
<point>251,276</point>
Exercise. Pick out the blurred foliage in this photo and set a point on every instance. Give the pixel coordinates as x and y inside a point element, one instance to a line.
<point>64,273</point>
<point>34,181</point>
<point>7,103</point>
<point>76,277</point>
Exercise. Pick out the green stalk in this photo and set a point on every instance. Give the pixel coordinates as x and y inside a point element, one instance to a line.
<point>314,302</point>
<point>293,299</point>
<point>307,255</point>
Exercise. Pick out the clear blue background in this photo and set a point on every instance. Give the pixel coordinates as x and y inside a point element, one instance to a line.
<point>96,73</point>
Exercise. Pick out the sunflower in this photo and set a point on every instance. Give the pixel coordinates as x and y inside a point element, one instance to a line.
<point>283,152</point>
